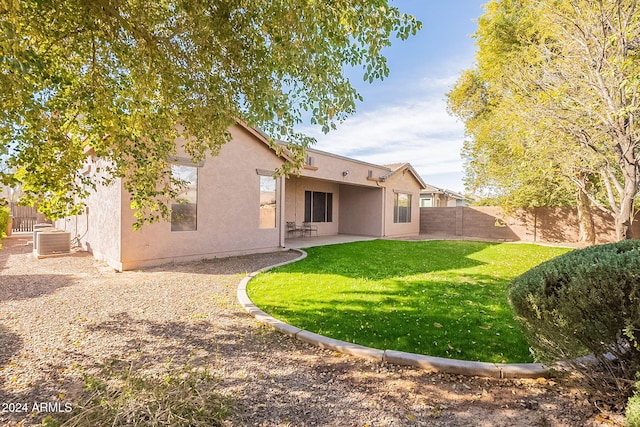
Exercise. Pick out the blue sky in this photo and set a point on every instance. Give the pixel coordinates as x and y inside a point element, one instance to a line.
<point>403,118</point>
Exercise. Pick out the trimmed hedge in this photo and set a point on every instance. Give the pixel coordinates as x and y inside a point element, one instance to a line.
<point>583,302</point>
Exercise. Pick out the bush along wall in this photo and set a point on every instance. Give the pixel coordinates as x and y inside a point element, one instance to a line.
<point>585,302</point>
<point>4,222</point>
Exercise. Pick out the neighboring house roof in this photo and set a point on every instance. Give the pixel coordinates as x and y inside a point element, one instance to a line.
<point>430,189</point>
<point>455,195</point>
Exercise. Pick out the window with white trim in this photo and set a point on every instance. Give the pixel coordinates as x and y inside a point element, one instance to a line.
<point>426,202</point>
<point>184,208</point>
<point>267,202</point>
<point>402,208</point>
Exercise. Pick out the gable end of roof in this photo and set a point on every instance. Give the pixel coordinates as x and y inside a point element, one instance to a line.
<point>402,167</point>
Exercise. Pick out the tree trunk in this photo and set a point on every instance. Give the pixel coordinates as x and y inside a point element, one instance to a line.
<point>623,219</point>
<point>624,215</point>
<point>587,231</point>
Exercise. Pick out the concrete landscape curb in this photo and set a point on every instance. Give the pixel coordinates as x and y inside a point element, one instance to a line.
<point>431,363</point>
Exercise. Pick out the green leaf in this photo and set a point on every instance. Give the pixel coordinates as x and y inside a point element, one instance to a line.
<point>120,77</point>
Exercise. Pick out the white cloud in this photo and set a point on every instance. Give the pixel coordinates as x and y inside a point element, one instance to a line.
<point>438,84</point>
<point>418,131</point>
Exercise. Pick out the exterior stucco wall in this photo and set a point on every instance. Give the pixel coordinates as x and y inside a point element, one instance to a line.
<point>228,207</point>
<point>361,210</point>
<point>98,229</point>
<point>331,167</point>
<point>294,196</point>
<point>403,182</point>
<point>228,211</point>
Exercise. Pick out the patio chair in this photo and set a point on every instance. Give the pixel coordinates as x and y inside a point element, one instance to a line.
<point>308,228</point>
<point>293,229</point>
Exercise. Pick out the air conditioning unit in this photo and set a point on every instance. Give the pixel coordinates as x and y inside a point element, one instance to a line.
<point>52,242</point>
<point>37,228</point>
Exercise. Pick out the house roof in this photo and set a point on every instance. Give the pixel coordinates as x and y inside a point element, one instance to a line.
<point>392,169</point>
<point>395,168</point>
<point>350,159</point>
<point>283,152</point>
<point>266,140</point>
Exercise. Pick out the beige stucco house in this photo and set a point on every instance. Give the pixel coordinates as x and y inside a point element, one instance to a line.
<point>234,206</point>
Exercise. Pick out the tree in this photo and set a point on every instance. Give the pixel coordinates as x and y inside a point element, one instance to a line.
<point>119,75</point>
<point>507,162</point>
<point>503,158</point>
<point>568,71</point>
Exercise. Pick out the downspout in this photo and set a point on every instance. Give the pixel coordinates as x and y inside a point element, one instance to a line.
<point>281,217</point>
<point>384,208</point>
<point>384,211</point>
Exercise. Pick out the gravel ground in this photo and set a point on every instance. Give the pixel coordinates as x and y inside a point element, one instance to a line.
<point>64,316</point>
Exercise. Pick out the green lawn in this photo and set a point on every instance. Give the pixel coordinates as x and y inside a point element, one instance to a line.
<point>440,298</point>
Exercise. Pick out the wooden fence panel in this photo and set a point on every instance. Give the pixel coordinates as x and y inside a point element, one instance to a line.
<point>24,218</point>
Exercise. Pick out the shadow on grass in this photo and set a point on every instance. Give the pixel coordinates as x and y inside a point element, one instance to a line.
<point>470,321</point>
<point>383,259</point>
<point>419,297</point>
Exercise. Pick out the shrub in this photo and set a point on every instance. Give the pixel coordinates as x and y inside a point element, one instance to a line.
<point>633,407</point>
<point>4,221</point>
<point>584,302</point>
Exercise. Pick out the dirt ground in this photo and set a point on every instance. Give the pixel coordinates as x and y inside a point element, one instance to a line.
<point>64,316</point>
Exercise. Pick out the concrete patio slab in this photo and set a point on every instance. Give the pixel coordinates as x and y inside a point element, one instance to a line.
<point>307,242</point>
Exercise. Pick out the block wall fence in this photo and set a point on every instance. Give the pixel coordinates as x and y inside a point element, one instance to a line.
<point>552,225</point>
